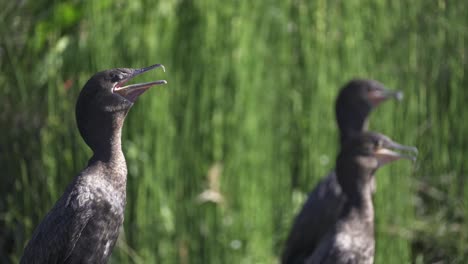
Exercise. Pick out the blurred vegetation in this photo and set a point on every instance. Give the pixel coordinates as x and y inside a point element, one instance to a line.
<point>222,157</point>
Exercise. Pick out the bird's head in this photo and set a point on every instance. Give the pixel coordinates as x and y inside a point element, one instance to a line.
<point>364,153</point>
<point>356,100</point>
<point>105,100</point>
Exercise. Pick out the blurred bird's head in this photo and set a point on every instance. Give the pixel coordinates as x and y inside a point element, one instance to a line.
<point>356,100</point>
<point>363,154</point>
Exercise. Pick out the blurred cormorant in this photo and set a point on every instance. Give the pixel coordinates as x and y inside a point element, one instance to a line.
<point>351,238</point>
<point>355,101</point>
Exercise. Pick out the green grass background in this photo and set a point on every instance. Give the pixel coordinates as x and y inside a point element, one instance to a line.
<point>247,113</point>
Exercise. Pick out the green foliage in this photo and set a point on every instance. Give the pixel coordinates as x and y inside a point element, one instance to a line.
<point>222,157</point>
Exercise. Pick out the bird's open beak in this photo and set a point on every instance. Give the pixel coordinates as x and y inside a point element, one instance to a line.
<point>381,95</point>
<point>388,152</point>
<point>132,91</point>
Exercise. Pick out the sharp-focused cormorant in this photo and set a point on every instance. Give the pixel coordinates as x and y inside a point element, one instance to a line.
<point>83,225</point>
<point>351,238</point>
<point>355,101</point>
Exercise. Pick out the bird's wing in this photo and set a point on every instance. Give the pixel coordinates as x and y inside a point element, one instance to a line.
<point>316,217</point>
<point>56,236</point>
<point>324,253</point>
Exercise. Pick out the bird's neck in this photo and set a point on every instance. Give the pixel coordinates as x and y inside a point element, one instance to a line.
<point>108,156</point>
<point>351,120</point>
<point>103,135</point>
<point>348,128</point>
<point>109,150</point>
<point>357,184</point>
<point>359,203</point>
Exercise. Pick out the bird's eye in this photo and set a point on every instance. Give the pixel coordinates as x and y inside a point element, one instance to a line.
<point>379,144</point>
<point>115,77</point>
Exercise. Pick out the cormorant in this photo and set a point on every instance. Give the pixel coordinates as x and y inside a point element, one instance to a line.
<point>351,238</point>
<point>84,223</point>
<point>355,101</point>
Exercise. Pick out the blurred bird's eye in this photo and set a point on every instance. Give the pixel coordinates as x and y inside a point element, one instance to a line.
<point>379,144</point>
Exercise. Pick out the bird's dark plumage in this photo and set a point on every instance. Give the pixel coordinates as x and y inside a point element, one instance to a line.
<point>84,224</point>
<point>323,206</point>
<point>351,238</point>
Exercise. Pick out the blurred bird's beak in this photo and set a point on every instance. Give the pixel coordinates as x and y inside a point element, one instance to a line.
<point>377,96</point>
<point>391,151</point>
